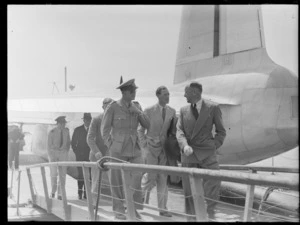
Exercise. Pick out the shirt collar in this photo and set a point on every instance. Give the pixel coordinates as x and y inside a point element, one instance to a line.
<point>160,107</point>
<point>199,105</point>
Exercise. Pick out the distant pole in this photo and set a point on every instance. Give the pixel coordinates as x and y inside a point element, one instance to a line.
<point>65,79</point>
<point>273,165</point>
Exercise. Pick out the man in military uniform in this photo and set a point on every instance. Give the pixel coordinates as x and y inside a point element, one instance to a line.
<point>96,144</point>
<point>119,131</point>
<point>58,148</point>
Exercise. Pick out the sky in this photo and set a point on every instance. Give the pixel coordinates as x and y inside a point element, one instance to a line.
<point>97,44</point>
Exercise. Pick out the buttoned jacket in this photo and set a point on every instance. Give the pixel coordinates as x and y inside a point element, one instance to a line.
<point>154,138</point>
<point>198,133</point>
<point>54,138</point>
<point>119,126</point>
<point>79,143</point>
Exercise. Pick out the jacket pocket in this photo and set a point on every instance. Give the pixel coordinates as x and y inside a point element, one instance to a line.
<point>119,120</point>
<point>117,143</point>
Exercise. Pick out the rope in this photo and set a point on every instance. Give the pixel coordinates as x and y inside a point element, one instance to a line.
<point>265,196</point>
<point>100,164</point>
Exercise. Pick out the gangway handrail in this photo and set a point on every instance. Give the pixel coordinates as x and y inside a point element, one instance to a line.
<point>195,175</point>
<point>259,168</point>
<point>230,176</point>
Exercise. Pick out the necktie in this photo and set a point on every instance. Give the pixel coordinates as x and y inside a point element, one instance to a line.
<point>61,138</point>
<point>163,113</point>
<point>195,111</point>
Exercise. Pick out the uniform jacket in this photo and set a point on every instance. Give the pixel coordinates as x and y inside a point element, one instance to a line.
<point>156,134</point>
<point>198,134</point>
<point>79,144</point>
<point>119,127</point>
<point>94,138</point>
<point>54,140</point>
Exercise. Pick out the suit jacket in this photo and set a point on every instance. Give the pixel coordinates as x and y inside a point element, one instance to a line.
<point>54,140</point>
<point>156,134</point>
<point>94,138</point>
<point>79,144</point>
<point>119,128</point>
<point>198,134</point>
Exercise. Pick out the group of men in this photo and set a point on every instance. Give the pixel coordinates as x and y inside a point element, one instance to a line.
<point>124,130</point>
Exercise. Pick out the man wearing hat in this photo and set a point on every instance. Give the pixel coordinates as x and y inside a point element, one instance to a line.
<point>96,144</point>
<point>58,148</point>
<point>81,149</point>
<point>119,131</point>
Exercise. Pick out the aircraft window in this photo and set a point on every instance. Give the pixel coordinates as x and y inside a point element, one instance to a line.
<point>295,110</point>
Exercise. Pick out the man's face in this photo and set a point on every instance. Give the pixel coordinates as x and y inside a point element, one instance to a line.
<point>164,96</point>
<point>130,94</point>
<point>87,122</point>
<point>62,125</point>
<point>188,94</point>
<point>105,105</point>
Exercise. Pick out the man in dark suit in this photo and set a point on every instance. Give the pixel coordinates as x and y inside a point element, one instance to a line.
<point>81,149</point>
<point>15,144</point>
<point>197,143</point>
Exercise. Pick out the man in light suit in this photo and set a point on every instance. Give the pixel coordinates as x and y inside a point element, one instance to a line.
<point>96,144</point>
<point>197,143</point>
<point>58,147</point>
<point>160,116</point>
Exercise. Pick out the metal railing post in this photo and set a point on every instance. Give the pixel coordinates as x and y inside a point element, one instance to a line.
<point>63,192</point>
<point>128,193</point>
<point>249,203</point>
<point>46,189</point>
<point>249,200</point>
<point>31,186</point>
<point>86,176</point>
<point>18,198</point>
<point>198,197</point>
<point>11,184</point>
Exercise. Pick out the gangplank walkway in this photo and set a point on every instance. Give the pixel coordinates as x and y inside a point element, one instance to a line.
<point>79,208</point>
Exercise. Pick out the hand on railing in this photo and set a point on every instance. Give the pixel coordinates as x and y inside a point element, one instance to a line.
<point>105,159</point>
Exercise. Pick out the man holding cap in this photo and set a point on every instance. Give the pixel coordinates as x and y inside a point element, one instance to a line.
<point>96,144</point>
<point>58,148</point>
<point>81,149</point>
<point>119,131</point>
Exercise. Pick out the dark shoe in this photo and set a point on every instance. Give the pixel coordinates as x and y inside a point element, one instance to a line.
<point>120,216</point>
<point>52,195</point>
<point>59,197</point>
<point>79,197</point>
<point>84,197</point>
<point>166,214</point>
<point>211,215</point>
<point>137,215</point>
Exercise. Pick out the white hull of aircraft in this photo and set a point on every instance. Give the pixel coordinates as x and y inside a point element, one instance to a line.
<point>223,48</point>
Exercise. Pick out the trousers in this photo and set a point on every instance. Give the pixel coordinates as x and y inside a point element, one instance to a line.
<point>211,187</point>
<point>115,178</point>
<point>56,156</point>
<point>13,155</point>
<point>149,180</point>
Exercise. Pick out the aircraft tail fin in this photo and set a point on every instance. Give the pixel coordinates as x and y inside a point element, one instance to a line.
<point>218,39</point>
